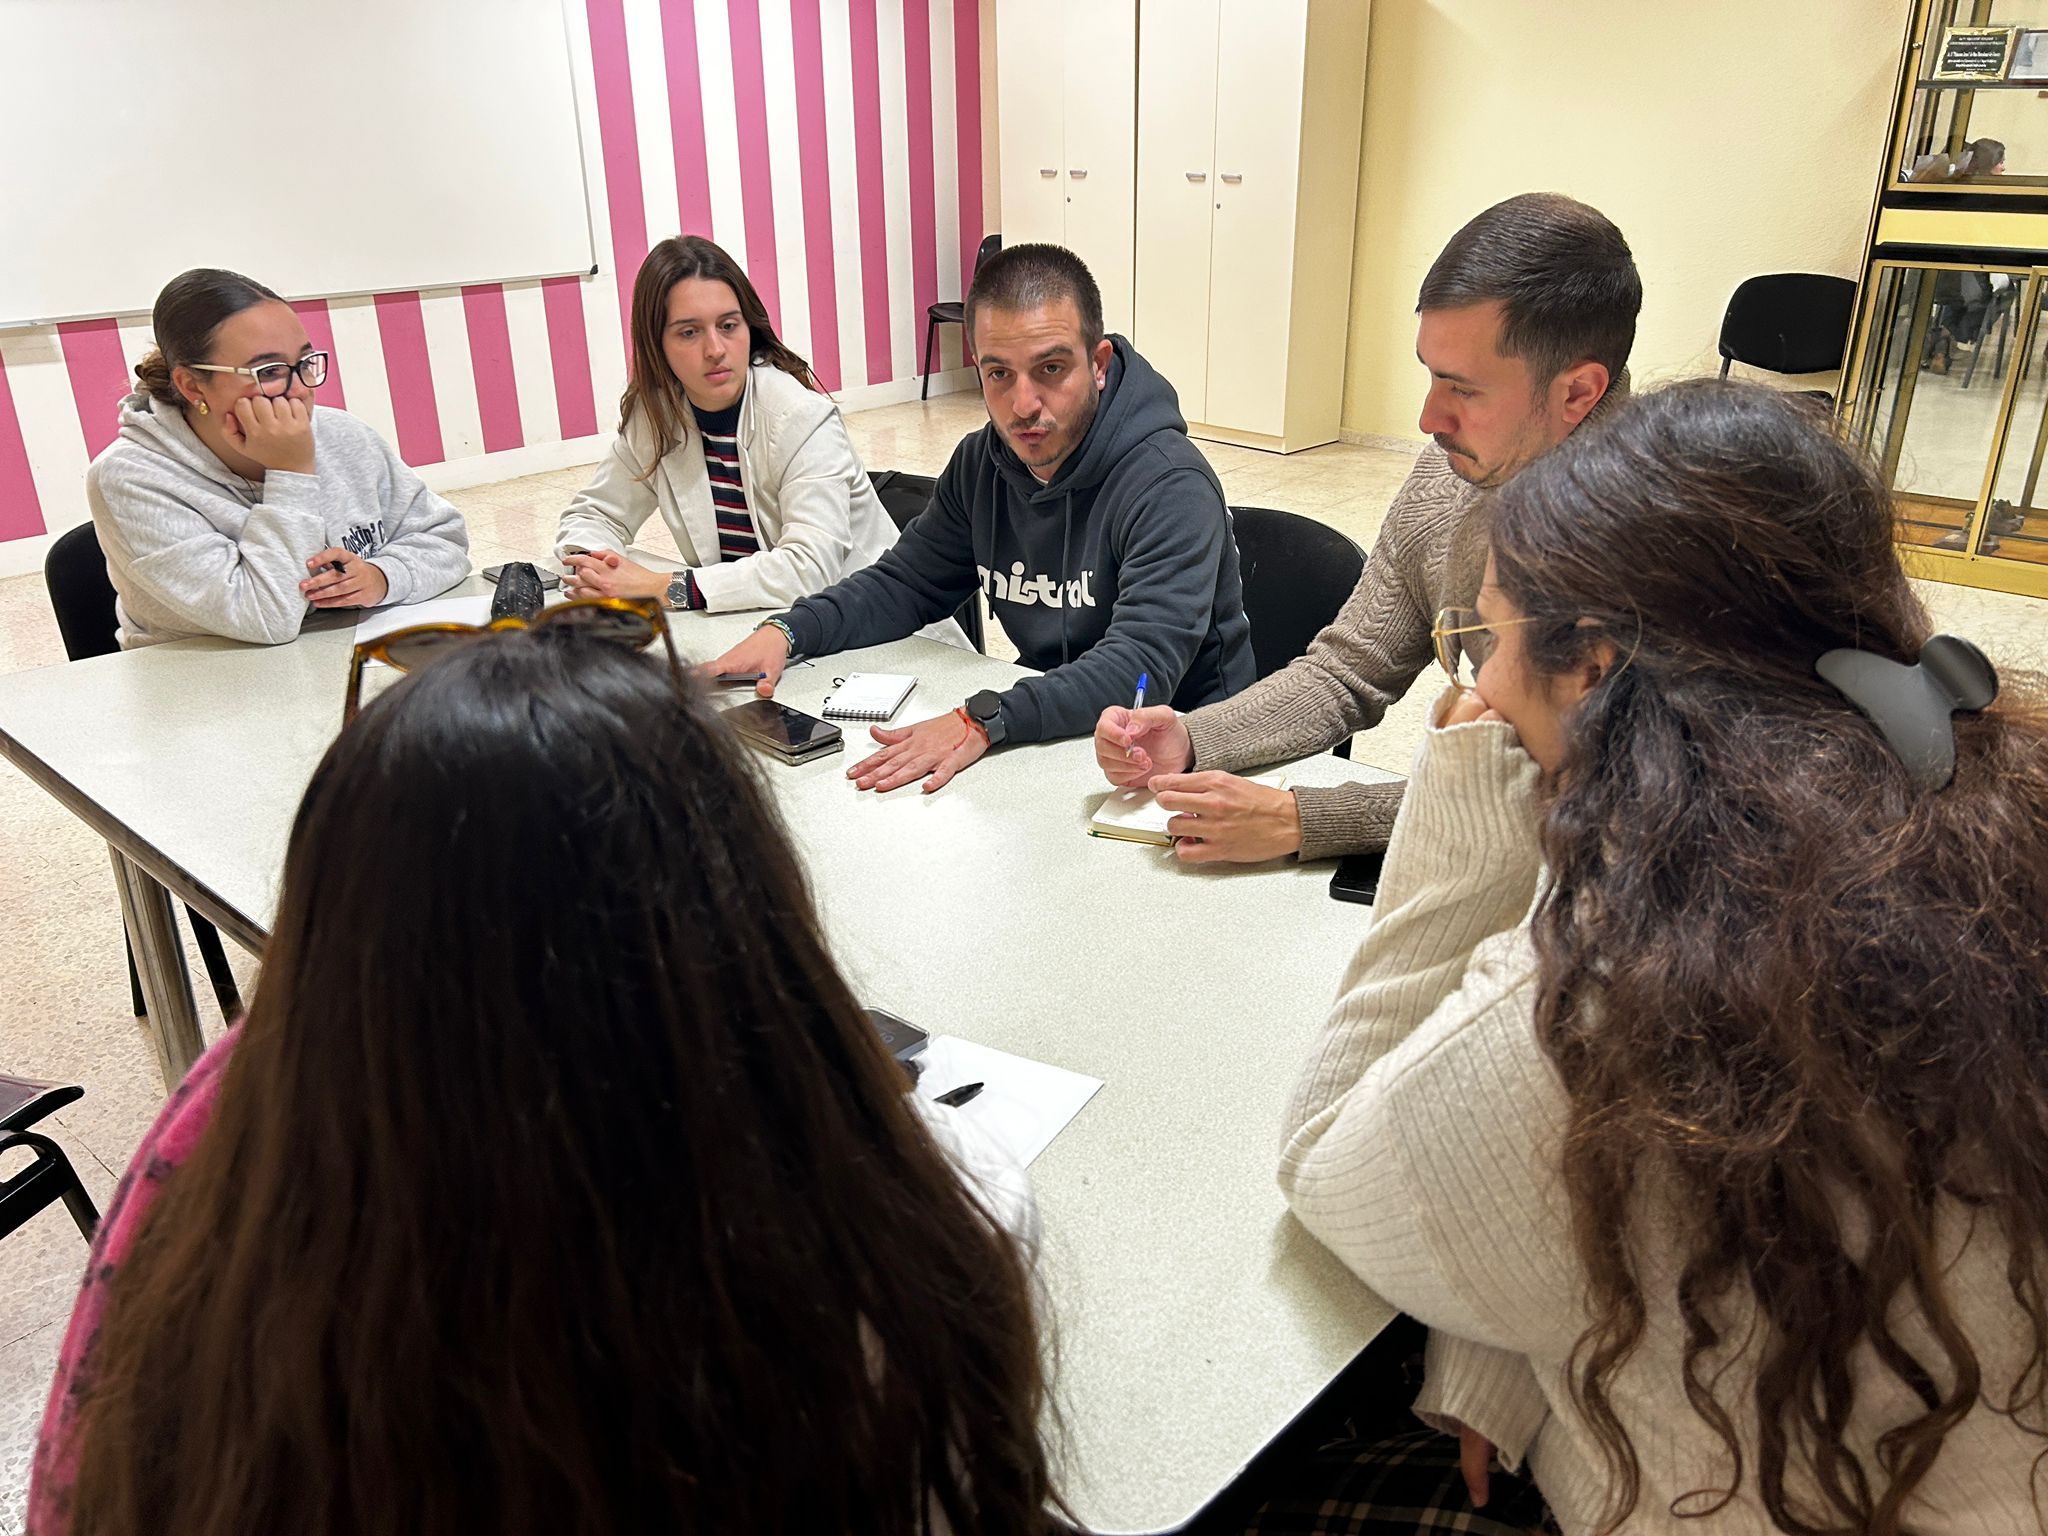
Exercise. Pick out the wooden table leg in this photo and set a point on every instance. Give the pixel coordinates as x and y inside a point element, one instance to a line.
<point>147,909</point>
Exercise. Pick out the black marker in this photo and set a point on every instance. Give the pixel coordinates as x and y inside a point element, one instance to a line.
<point>953,1098</point>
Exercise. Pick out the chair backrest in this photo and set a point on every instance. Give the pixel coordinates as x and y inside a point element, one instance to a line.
<point>1789,322</point>
<point>1297,574</point>
<point>990,244</point>
<point>75,571</point>
<point>904,495</point>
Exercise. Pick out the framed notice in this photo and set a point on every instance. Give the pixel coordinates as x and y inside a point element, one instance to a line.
<point>1974,55</point>
<point>2030,57</point>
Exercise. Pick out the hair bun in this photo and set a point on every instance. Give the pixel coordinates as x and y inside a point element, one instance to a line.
<point>153,374</point>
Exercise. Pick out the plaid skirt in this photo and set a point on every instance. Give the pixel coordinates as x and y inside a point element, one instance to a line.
<point>1402,1482</point>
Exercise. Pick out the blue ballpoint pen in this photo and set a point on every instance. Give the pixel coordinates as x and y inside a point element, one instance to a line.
<point>1139,701</point>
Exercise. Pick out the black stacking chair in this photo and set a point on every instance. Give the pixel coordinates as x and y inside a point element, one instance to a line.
<point>49,1176</point>
<point>1297,574</point>
<point>950,312</point>
<point>905,495</point>
<point>1789,322</point>
<point>75,571</point>
<point>1998,315</point>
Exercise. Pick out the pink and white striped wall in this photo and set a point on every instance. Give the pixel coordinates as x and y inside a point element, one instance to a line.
<point>835,147</point>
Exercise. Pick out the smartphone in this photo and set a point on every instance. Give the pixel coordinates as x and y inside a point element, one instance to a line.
<point>1358,877</point>
<point>737,679</point>
<point>903,1038</point>
<point>548,579</point>
<point>790,734</point>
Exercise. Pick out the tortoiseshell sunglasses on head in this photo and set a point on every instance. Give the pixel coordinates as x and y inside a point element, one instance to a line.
<point>630,621</point>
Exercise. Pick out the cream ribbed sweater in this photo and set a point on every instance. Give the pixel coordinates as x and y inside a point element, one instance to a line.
<point>1423,1143</point>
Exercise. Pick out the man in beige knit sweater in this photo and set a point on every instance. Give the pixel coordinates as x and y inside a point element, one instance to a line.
<point>1527,317</point>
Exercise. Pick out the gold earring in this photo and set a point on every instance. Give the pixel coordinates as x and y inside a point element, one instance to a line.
<point>204,408</point>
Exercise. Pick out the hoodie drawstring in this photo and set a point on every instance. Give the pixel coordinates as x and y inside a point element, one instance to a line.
<point>1066,536</point>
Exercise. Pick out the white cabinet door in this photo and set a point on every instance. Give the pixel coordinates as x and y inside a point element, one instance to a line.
<point>1031,126</point>
<point>1101,94</point>
<point>1260,55</point>
<point>1176,195</point>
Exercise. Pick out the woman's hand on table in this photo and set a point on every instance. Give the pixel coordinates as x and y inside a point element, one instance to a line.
<point>606,573</point>
<point>342,579</point>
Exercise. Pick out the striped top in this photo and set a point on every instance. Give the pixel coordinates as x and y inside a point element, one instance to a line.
<point>736,536</point>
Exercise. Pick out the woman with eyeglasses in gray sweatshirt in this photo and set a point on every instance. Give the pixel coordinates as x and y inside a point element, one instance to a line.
<point>229,505</point>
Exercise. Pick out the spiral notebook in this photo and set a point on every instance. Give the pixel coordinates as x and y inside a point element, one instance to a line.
<point>869,696</point>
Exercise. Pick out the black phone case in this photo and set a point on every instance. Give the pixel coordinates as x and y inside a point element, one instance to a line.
<point>1357,878</point>
<point>903,1038</point>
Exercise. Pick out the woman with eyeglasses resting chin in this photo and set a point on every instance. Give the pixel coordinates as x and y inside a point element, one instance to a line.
<point>230,506</point>
<point>555,1181</point>
<point>1691,1082</point>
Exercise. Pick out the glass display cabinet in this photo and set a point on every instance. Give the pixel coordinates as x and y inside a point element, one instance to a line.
<point>1973,111</point>
<point>1947,378</point>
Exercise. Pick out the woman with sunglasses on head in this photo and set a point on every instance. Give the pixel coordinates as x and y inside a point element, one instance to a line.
<point>230,506</point>
<point>1690,1082</point>
<point>724,432</point>
<point>555,1182</point>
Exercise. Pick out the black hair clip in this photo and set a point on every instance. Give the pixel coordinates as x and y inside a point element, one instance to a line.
<point>1912,705</point>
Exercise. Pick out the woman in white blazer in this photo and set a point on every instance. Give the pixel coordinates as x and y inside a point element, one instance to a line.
<point>724,431</point>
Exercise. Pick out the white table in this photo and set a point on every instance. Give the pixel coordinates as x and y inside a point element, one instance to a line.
<point>1194,1317</point>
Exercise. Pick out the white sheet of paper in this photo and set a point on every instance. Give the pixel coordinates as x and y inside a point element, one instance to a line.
<point>379,622</point>
<point>1025,1103</point>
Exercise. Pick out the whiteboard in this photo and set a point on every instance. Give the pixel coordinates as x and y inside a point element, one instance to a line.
<point>322,147</point>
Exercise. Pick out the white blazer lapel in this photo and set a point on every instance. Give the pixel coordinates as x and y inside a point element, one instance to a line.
<point>689,482</point>
<point>755,450</point>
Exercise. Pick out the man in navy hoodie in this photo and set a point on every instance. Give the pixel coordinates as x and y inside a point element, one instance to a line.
<point>1095,528</point>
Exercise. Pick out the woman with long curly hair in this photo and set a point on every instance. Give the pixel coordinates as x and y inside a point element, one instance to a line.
<point>555,1182</point>
<point>1692,1080</point>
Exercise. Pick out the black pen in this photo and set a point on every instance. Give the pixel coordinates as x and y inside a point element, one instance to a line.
<point>953,1098</point>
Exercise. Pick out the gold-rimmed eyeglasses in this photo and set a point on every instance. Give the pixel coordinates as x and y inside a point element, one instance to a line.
<point>636,622</point>
<point>1464,641</point>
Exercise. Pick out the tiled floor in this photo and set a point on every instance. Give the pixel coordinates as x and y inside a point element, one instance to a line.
<point>64,1008</point>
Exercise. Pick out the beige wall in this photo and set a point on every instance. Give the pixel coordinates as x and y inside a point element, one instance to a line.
<point>1726,139</point>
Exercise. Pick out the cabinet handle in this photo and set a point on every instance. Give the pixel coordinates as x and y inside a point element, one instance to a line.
<point>1048,170</point>
<point>1233,177</point>
<point>1078,175</point>
<point>1198,175</point>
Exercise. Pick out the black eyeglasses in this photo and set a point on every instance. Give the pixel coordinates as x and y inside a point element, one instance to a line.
<point>275,378</point>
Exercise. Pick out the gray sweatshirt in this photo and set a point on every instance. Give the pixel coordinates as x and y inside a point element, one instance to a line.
<point>194,549</point>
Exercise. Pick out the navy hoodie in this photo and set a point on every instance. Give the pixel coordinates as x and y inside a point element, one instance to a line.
<point>1124,564</point>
